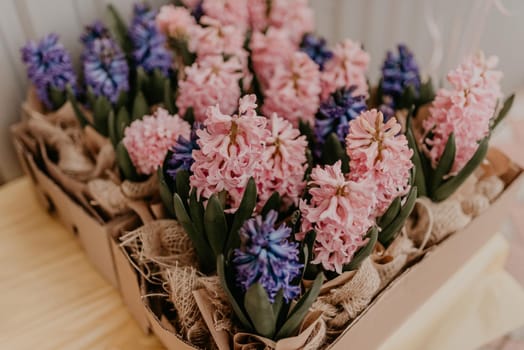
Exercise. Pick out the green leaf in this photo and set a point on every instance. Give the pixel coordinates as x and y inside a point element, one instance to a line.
<point>333,151</point>
<point>78,112</point>
<point>189,116</point>
<point>305,129</point>
<point>57,97</point>
<point>273,203</point>
<point>111,125</point>
<point>391,213</point>
<point>420,180</point>
<point>140,107</point>
<point>215,225</point>
<point>235,305</point>
<point>301,309</point>
<point>444,165</point>
<point>156,87</point>
<point>244,212</point>
<point>119,29</point>
<point>142,79</point>
<point>125,164</point>
<point>387,235</point>
<point>165,193</point>
<point>426,94</point>
<point>122,122</point>
<point>101,115</point>
<point>504,111</point>
<point>277,304</point>
<point>363,252</point>
<point>447,188</point>
<point>182,186</point>
<point>205,255</point>
<point>260,311</point>
<point>169,98</point>
<point>122,100</point>
<point>196,209</point>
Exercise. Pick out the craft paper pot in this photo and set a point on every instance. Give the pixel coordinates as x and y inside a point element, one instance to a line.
<point>94,236</point>
<point>128,280</point>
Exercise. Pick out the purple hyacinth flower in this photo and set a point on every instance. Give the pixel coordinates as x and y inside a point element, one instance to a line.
<point>316,48</point>
<point>105,69</point>
<point>182,154</point>
<point>149,45</point>
<point>399,72</point>
<point>97,30</point>
<point>198,10</point>
<point>267,257</point>
<point>335,114</point>
<point>48,66</point>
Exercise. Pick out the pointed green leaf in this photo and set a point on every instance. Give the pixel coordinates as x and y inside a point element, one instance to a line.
<point>235,305</point>
<point>301,309</point>
<point>365,251</point>
<point>57,97</point>
<point>142,79</point>
<point>140,107</point>
<point>169,98</point>
<point>273,203</point>
<point>426,94</point>
<point>165,193</point>
<point>244,212</point>
<point>390,213</point>
<point>444,165</point>
<point>447,188</point>
<point>305,129</point>
<point>111,125</point>
<point>196,209</point>
<point>420,180</point>
<point>78,112</point>
<point>277,304</point>
<point>101,115</point>
<point>259,310</point>
<point>182,186</point>
<point>122,122</point>
<point>388,233</point>
<point>189,116</point>
<point>205,255</point>
<point>122,100</point>
<point>504,111</point>
<point>215,225</point>
<point>333,151</point>
<point>119,29</point>
<point>125,164</point>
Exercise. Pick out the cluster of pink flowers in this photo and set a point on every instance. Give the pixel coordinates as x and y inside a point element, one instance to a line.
<point>379,150</point>
<point>228,12</point>
<point>176,22</point>
<point>465,109</point>
<point>147,140</point>
<point>234,148</point>
<point>341,213</point>
<point>294,90</point>
<point>209,81</point>
<point>348,67</point>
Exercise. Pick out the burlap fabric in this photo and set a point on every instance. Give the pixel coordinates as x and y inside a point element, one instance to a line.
<point>390,262</point>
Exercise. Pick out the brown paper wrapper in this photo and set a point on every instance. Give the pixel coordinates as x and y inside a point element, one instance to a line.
<point>390,262</point>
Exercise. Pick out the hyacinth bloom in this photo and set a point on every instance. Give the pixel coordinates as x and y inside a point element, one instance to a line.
<point>215,38</point>
<point>182,153</point>
<point>284,163</point>
<point>48,66</point>
<point>378,150</point>
<point>335,114</point>
<point>147,140</point>
<point>293,16</point>
<point>266,256</point>
<point>231,147</point>
<point>268,51</point>
<point>228,12</point>
<point>347,68</point>
<point>209,81</point>
<point>106,71</point>
<point>465,109</point>
<point>294,90</point>
<point>97,30</point>
<point>316,48</point>
<point>149,45</point>
<point>399,72</point>
<point>176,22</point>
<point>341,212</point>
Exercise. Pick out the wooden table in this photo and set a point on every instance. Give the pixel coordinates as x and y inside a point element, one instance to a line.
<point>51,298</point>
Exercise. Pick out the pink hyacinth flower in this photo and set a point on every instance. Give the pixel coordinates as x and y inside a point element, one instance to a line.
<point>348,67</point>
<point>228,12</point>
<point>294,90</point>
<point>176,22</point>
<point>378,150</point>
<point>147,140</point>
<point>209,81</point>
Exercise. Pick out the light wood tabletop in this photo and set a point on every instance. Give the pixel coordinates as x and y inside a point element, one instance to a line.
<point>52,298</point>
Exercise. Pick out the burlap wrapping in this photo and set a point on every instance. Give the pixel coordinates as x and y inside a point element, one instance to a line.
<point>444,218</point>
<point>310,337</point>
<point>490,187</point>
<point>391,261</point>
<point>346,301</point>
<point>221,313</point>
<point>156,245</point>
<point>475,204</point>
<point>108,196</point>
<point>140,190</point>
<point>181,281</point>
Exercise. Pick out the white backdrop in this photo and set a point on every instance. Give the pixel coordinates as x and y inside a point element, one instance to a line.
<point>379,24</point>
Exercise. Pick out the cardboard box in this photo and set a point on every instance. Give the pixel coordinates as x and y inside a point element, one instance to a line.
<point>398,301</point>
<point>94,234</point>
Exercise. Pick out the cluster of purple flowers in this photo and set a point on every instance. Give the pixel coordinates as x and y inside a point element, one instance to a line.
<point>317,49</point>
<point>182,153</point>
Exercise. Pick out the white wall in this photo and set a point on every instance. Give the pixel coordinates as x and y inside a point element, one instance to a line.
<point>379,24</point>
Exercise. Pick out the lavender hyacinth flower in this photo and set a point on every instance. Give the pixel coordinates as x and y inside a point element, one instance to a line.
<point>105,69</point>
<point>399,72</point>
<point>267,257</point>
<point>149,45</point>
<point>97,30</point>
<point>48,67</point>
<point>182,153</point>
<point>316,48</point>
<point>335,114</point>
